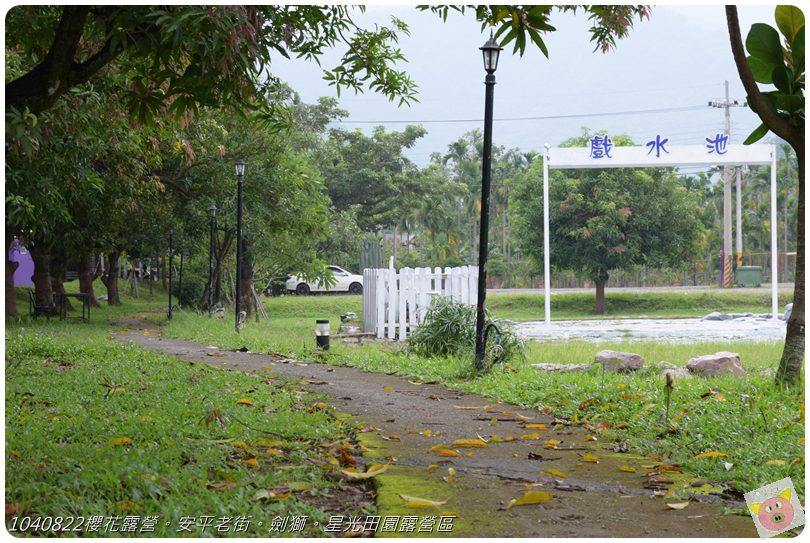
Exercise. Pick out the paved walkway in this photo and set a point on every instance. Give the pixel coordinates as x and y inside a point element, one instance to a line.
<point>595,499</point>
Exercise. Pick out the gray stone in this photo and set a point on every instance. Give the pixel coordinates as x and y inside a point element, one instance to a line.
<point>562,368</point>
<point>713,316</point>
<point>676,373</point>
<point>788,310</point>
<point>664,365</point>
<point>721,363</point>
<point>619,361</point>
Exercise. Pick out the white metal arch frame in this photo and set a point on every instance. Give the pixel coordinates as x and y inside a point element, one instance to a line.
<point>574,158</point>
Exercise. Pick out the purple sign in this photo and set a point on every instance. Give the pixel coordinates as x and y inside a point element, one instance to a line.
<point>18,253</point>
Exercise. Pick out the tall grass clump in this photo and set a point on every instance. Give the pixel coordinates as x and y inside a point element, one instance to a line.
<point>448,329</point>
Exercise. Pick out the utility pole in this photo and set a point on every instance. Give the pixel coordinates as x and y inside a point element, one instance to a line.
<point>727,262</point>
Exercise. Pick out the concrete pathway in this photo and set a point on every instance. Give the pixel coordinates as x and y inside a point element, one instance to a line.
<point>593,500</point>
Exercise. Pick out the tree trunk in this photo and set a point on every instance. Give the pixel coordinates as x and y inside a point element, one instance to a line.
<point>11,301</point>
<point>246,294</point>
<point>58,269</point>
<point>89,271</point>
<point>110,279</point>
<point>41,256</point>
<point>790,366</point>
<point>600,297</point>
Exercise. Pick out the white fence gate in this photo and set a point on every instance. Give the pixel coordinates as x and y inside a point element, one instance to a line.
<point>395,303</point>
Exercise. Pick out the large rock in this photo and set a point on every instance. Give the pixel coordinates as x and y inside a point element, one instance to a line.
<point>788,310</point>
<point>717,316</point>
<point>720,363</point>
<point>619,361</point>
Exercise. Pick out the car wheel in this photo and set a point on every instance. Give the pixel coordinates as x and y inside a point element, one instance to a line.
<point>355,288</point>
<point>302,289</point>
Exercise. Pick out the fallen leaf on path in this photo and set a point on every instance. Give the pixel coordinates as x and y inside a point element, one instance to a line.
<point>433,467</point>
<point>681,505</point>
<point>499,439</point>
<point>437,447</point>
<point>374,469</point>
<point>388,389</point>
<point>451,474</point>
<point>551,443</point>
<point>530,498</point>
<point>469,406</point>
<point>592,458</point>
<point>216,354</point>
<point>533,435</point>
<point>556,473</point>
<point>627,469</point>
<point>418,503</point>
<point>449,452</point>
<point>710,454</point>
<point>536,427</point>
<point>469,443</point>
<point>392,437</point>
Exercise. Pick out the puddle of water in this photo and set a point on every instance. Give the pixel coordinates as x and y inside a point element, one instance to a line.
<point>661,330</point>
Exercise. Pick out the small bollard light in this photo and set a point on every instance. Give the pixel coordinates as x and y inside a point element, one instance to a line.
<point>322,334</point>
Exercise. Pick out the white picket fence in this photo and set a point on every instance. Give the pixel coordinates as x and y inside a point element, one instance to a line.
<point>394,303</point>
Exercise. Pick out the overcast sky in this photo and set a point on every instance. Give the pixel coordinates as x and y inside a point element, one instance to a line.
<point>678,59</point>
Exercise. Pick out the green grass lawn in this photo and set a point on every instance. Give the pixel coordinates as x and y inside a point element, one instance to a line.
<point>759,426</point>
<point>529,307</point>
<point>96,427</point>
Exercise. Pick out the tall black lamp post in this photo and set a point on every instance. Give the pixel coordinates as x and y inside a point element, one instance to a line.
<point>240,175</point>
<point>171,255</point>
<point>212,214</point>
<point>491,52</point>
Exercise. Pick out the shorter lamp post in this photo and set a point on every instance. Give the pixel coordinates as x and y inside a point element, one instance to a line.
<point>491,51</point>
<point>171,254</point>
<point>212,213</point>
<point>240,175</point>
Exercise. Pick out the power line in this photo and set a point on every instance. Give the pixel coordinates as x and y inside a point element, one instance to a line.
<point>538,118</point>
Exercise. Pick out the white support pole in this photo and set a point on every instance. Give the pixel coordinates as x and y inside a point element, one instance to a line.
<point>546,249</point>
<point>774,246</point>
<point>738,215</point>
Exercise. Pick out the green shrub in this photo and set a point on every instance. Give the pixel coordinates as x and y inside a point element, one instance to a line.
<point>448,329</point>
<point>193,289</point>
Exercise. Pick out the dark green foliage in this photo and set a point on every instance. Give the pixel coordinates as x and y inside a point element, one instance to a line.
<point>193,289</point>
<point>449,330</point>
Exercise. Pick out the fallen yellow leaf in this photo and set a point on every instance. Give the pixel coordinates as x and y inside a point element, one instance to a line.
<point>374,469</point>
<point>533,435</point>
<point>551,443</point>
<point>123,440</point>
<point>592,458</point>
<point>469,443</point>
<point>433,467</point>
<point>556,473</point>
<point>244,401</point>
<point>437,447</point>
<point>710,454</point>
<point>417,503</point>
<point>388,389</point>
<point>775,463</point>
<point>530,498</point>
<point>628,469</point>
<point>252,462</point>
<point>536,427</point>
<point>449,452</point>
<point>681,505</point>
<point>451,474</point>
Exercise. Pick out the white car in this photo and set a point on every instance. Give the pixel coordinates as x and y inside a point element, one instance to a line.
<point>345,282</point>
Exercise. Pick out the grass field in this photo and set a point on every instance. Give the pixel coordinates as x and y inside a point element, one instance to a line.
<point>757,425</point>
<point>96,427</point>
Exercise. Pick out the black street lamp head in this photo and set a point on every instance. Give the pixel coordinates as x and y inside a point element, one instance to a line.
<point>240,167</point>
<point>491,52</point>
<point>212,211</point>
